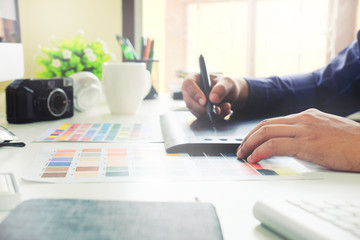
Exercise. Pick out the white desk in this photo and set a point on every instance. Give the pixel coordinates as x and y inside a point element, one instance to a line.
<point>233,199</point>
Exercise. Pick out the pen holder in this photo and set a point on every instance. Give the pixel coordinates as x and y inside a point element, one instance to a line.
<point>152,66</point>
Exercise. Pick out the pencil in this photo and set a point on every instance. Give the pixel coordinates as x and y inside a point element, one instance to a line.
<point>147,49</point>
<point>142,47</point>
<point>151,56</point>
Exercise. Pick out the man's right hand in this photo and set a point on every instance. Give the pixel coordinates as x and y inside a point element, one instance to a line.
<point>227,94</point>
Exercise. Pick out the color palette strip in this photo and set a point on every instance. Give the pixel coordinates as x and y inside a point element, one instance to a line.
<point>59,163</point>
<point>150,161</point>
<point>104,132</point>
<point>117,164</point>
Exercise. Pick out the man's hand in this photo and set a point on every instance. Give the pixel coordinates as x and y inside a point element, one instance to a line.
<point>328,140</point>
<point>226,93</point>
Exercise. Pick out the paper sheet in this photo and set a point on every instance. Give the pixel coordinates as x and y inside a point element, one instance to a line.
<point>143,162</point>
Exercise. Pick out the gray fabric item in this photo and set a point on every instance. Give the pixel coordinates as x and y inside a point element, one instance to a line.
<point>91,219</point>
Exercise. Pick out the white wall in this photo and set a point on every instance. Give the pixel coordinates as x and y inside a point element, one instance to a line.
<point>42,19</point>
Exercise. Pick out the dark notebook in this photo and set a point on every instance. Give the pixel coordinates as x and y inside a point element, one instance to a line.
<point>91,219</point>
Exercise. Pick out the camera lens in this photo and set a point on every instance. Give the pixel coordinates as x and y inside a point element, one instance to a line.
<point>57,102</point>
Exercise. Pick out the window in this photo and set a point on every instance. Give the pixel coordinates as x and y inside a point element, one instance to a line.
<point>247,37</point>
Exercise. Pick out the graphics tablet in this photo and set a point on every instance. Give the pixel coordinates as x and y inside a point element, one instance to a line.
<point>183,133</point>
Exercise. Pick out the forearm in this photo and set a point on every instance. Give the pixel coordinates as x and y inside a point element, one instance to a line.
<point>280,95</point>
<point>333,89</point>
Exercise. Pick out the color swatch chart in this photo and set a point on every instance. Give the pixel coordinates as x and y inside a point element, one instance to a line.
<point>104,132</point>
<point>150,161</point>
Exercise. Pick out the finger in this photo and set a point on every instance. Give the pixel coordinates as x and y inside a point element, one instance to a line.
<point>223,109</point>
<point>196,77</point>
<point>191,85</point>
<point>287,120</point>
<point>214,78</point>
<point>274,147</point>
<point>193,96</point>
<point>221,90</point>
<point>264,134</point>
<point>306,117</point>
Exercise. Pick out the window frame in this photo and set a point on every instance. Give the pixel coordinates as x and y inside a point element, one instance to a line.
<point>345,30</point>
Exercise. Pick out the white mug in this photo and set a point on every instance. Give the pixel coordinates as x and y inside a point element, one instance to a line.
<point>87,90</point>
<point>125,84</point>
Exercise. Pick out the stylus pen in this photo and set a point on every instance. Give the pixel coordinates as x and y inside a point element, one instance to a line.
<point>206,88</point>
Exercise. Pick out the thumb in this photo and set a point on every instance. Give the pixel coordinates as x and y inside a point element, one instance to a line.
<point>221,90</point>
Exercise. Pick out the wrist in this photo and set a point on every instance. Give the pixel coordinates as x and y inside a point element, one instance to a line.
<point>243,93</point>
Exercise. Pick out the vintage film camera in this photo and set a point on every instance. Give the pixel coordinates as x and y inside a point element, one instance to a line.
<point>32,100</point>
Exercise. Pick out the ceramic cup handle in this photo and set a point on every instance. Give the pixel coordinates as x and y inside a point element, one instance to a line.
<point>148,82</point>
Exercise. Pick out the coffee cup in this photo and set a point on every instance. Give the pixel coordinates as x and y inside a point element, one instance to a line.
<point>125,86</point>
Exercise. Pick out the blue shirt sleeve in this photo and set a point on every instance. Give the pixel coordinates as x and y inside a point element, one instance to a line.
<point>334,88</point>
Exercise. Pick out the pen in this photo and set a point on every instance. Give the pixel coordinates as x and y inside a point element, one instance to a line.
<point>206,88</point>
